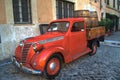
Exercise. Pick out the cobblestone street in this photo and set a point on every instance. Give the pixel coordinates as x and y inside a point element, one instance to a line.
<point>105,65</point>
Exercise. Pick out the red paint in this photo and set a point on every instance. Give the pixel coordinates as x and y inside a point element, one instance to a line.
<point>72,46</point>
<point>57,66</point>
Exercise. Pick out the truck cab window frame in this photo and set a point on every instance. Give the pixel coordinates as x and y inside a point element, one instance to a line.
<point>77,26</point>
<point>60,26</point>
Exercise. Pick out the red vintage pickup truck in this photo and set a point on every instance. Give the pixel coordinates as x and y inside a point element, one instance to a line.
<point>64,41</point>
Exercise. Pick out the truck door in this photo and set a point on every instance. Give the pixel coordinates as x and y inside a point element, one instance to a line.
<point>78,41</point>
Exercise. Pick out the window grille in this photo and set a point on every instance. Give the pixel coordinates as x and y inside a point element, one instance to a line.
<point>108,2</point>
<point>113,3</point>
<point>64,9</point>
<point>22,11</point>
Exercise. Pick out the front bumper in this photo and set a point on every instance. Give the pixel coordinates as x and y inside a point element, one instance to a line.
<point>25,69</point>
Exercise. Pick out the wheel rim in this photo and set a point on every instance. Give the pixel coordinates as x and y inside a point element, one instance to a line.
<point>95,48</point>
<point>53,66</point>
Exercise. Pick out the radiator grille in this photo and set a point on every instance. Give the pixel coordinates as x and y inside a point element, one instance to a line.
<point>25,50</point>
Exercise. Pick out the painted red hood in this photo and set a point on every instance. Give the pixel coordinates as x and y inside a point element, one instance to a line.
<point>43,37</point>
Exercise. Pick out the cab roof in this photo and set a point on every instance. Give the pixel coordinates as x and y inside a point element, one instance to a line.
<point>69,19</point>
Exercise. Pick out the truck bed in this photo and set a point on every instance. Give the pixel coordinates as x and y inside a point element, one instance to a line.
<point>95,32</point>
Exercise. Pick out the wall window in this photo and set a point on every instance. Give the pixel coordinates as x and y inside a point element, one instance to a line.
<point>113,3</point>
<point>64,9</point>
<point>100,4</point>
<point>105,1</point>
<point>108,2</point>
<point>95,1</point>
<point>102,15</point>
<point>118,4</point>
<point>22,11</point>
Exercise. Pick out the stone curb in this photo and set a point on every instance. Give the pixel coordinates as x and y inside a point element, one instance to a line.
<point>111,43</point>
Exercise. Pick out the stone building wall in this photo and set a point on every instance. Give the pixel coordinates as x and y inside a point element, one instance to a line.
<point>11,35</point>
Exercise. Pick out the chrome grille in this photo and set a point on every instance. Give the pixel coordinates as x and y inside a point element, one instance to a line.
<point>25,50</point>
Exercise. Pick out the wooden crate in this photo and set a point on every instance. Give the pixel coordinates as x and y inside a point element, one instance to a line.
<point>91,18</point>
<point>91,22</point>
<point>81,13</point>
<point>93,14</point>
<point>88,22</point>
<point>94,22</point>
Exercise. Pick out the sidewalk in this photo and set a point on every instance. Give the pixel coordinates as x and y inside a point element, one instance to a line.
<point>5,62</point>
<point>115,36</point>
<point>112,40</point>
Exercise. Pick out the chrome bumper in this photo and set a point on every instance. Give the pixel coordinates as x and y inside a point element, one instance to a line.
<point>25,69</point>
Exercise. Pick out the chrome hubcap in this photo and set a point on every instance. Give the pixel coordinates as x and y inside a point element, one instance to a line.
<point>52,66</point>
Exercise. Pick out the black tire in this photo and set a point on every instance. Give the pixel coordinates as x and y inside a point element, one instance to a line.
<point>102,38</point>
<point>94,48</point>
<point>54,62</point>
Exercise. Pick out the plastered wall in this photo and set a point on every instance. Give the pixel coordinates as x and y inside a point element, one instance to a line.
<point>12,33</point>
<point>2,12</point>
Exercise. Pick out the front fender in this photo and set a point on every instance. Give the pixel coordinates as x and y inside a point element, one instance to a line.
<point>41,59</point>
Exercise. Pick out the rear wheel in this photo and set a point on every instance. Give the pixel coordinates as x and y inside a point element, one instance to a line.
<point>94,48</point>
<point>53,66</point>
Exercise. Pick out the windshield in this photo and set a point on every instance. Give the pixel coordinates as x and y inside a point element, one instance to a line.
<point>59,26</point>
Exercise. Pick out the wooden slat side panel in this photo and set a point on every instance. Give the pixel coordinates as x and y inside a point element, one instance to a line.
<point>95,32</point>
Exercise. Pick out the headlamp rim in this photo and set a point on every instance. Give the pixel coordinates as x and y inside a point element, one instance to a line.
<point>34,46</point>
<point>21,43</point>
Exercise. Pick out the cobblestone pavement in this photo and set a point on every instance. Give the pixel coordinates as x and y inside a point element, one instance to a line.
<point>105,65</point>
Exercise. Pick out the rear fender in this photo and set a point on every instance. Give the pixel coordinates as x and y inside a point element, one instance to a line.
<point>98,43</point>
<point>93,41</point>
<point>42,58</point>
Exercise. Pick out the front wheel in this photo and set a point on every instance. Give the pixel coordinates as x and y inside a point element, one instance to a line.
<point>53,66</point>
<point>94,48</point>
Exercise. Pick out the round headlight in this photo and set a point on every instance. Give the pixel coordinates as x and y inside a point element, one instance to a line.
<point>21,43</point>
<point>37,47</point>
<point>34,46</point>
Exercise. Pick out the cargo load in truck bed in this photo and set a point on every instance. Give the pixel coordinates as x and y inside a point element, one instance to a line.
<point>91,19</point>
<point>95,32</point>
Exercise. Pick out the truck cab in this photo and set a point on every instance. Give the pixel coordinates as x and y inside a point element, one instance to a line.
<point>64,41</point>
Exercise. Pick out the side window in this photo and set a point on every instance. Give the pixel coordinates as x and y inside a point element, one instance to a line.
<point>77,26</point>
